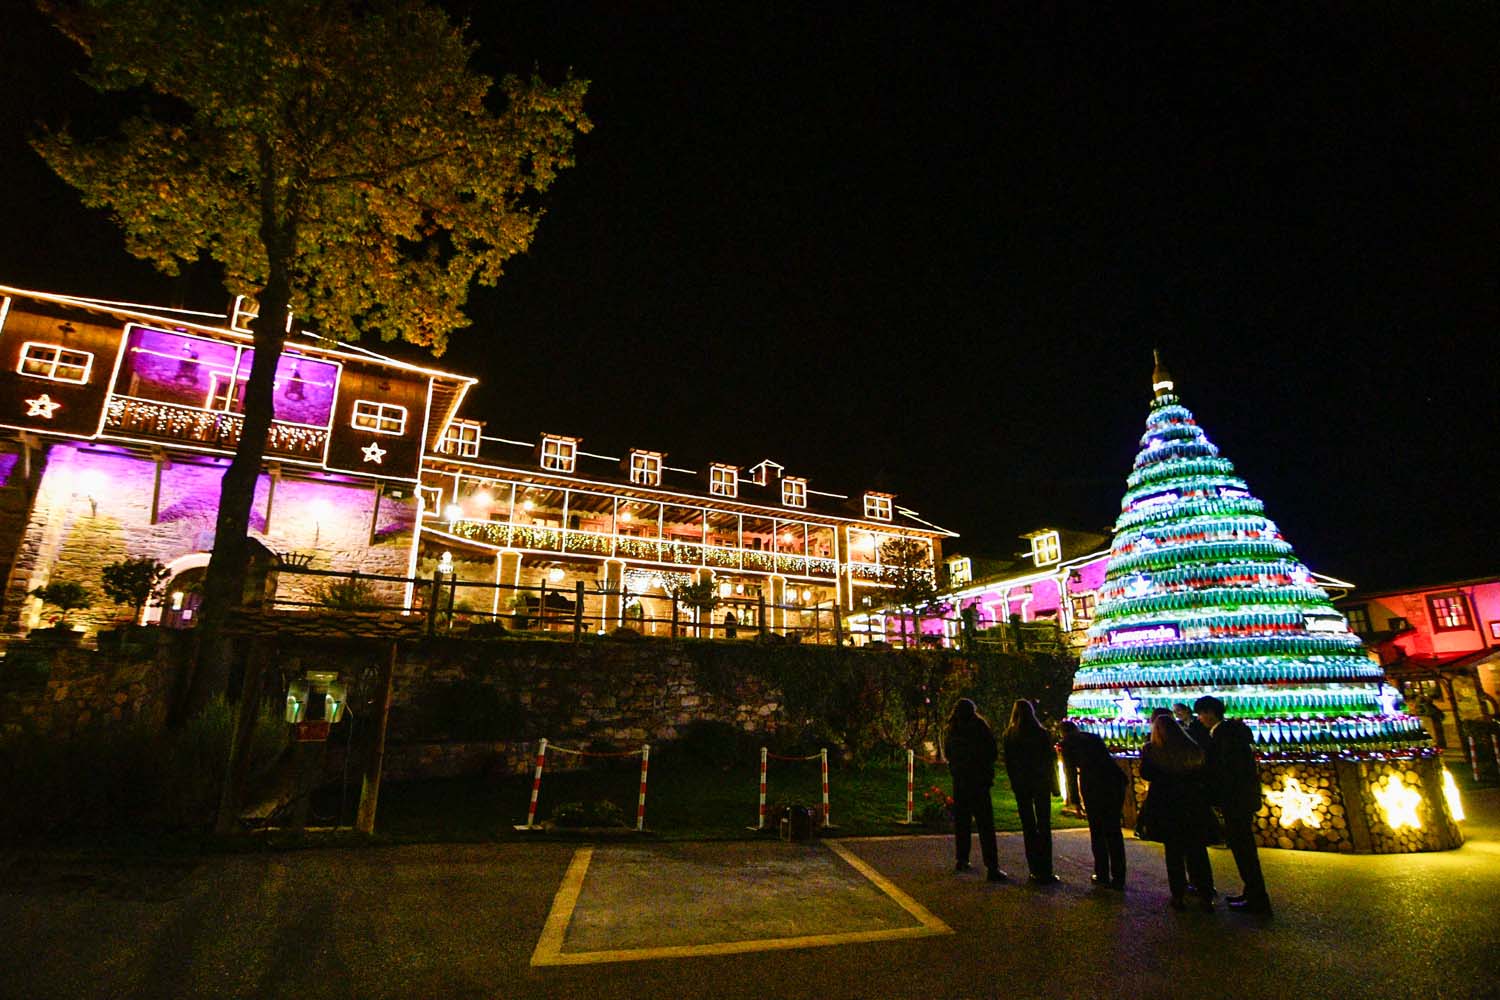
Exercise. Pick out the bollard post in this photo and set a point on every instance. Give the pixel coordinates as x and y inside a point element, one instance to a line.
<point>536,784</point>
<point>910,774</point>
<point>760,822</point>
<point>640,809</point>
<point>1474,759</point>
<point>823,756</point>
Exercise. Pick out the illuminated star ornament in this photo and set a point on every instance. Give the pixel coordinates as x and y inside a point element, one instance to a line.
<point>1387,699</point>
<point>1129,707</point>
<point>373,452</point>
<point>1297,805</point>
<point>1399,803</point>
<point>42,407</point>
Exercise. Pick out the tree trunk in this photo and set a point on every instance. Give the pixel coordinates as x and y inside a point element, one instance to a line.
<point>224,581</point>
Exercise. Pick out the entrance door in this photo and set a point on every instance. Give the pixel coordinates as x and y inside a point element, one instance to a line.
<point>184,592</point>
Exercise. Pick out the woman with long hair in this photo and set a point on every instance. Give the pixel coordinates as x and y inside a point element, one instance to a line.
<point>1029,765</point>
<point>1177,810</point>
<point>970,749</point>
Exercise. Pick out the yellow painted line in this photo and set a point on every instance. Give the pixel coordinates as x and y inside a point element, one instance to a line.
<point>549,946</point>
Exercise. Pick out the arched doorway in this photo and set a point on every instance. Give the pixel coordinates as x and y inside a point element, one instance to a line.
<point>182,594</point>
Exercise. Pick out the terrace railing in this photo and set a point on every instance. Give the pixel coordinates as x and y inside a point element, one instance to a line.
<point>447,603</point>
<point>172,422</point>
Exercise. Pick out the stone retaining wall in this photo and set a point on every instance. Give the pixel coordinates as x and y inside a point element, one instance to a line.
<point>80,689</point>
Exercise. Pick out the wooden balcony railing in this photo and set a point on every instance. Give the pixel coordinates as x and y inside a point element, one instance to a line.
<point>170,422</point>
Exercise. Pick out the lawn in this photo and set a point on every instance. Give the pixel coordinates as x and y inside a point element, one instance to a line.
<point>686,800</point>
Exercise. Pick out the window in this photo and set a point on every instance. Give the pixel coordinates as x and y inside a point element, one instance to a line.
<point>959,571</point>
<point>379,418</point>
<point>645,468</point>
<point>58,364</point>
<point>878,506</point>
<point>1359,619</point>
<point>1449,612</point>
<point>461,438</point>
<point>794,492</point>
<point>1046,548</point>
<point>724,480</point>
<point>559,454</point>
<point>1083,609</point>
<point>432,500</point>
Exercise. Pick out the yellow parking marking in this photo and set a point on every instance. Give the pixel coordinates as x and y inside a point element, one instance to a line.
<point>549,946</point>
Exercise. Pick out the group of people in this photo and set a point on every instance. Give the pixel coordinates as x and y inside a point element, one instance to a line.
<point>1195,759</point>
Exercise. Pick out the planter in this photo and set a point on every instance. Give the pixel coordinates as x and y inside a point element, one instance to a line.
<point>56,635</point>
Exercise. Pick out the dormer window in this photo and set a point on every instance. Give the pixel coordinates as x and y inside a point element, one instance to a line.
<point>55,363</point>
<point>878,506</point>
<point>645,468</point>
<point>724,480</point>
<point>1046,548</point>
<point>559,454</point>
<point>461,438</point>
<point>794,492</point>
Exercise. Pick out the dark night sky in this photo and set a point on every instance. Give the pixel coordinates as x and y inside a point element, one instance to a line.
<point>931,249</point>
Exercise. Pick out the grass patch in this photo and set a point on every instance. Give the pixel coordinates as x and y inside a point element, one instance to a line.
<point>685,800</point>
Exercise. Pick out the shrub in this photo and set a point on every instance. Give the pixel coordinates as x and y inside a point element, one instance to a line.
<point>464,710</point>
<point>66,596</point>
<point>134,583</point>
<point>570,814</point>
<point>626,634</point>
<point>351,593</point>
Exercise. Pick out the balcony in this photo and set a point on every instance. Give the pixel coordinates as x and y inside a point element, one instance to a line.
<point>169,422</point>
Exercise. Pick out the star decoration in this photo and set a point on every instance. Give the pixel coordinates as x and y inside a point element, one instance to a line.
<point>1387,699</point>
<point>1399,803</point>
<point>1129,706</point>
<point>42,406</point>
<point>373,452</point>
<point>1297,805</point>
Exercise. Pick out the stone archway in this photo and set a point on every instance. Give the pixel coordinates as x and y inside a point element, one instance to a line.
<point>185,574</point>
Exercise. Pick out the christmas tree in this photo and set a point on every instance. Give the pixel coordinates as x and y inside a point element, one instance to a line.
<point>1203,595</point>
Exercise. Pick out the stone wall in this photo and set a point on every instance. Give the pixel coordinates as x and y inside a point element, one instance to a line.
<point>75,690</point>
<point>85,507</point>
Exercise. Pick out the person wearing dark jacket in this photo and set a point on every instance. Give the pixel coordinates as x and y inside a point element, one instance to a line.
<point>1177,811</point>
<point>1235,786</point>
<point>971,753</point>
<point>1028,764</point>
<point>1102,785</point>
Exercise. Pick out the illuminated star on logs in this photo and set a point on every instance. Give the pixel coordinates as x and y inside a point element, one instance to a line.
<point>1297,805</point>
<point>42,406</point>
<point>373,452</point>
<point>1399,803</point>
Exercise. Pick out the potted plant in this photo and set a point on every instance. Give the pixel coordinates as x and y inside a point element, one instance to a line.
<point>134,583</point>
<point>66,596</point>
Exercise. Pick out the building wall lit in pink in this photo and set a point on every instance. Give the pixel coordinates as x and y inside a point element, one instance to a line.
<point>1478,601</point>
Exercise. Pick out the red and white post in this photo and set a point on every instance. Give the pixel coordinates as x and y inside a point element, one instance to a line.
<point>760,822</point>
<point>536,785</point>
<point>640,809</point>
<point>911,756</point>
<point>1474,759</point>
<point>823,758</point>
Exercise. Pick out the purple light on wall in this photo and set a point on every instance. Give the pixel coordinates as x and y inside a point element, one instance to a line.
<point>194,371</point>
<point>7,466</point>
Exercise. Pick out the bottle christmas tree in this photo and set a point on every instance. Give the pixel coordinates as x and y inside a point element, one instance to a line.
<point>1203,595</point>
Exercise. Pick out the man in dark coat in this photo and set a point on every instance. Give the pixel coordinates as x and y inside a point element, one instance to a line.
<point>1235,785</point>
<point>1102,786</point>
<point>971,752</point>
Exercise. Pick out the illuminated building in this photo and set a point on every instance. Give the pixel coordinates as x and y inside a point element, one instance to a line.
<point>117,421</point>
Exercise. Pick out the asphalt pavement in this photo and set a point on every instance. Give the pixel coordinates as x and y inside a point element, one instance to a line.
<point>854,918</point>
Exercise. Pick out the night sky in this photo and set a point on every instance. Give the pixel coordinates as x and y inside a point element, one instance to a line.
<point>930,250</point>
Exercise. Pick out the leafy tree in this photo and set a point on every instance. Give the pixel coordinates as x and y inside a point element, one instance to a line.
<point>338,159</point>
<point>134,582</point>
